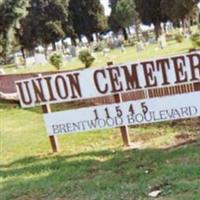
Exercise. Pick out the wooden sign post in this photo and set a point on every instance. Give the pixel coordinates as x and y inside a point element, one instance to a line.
<point>53,139</point>
<point>123,129</point>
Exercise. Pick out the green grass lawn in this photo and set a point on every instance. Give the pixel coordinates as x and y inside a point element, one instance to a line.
<point>95,165</point>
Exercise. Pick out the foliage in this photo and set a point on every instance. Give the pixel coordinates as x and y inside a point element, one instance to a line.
<point>56,60</point>
<point>179,37</point>
<point>123,15</point>
<point>150,12</point>
<point>47,22</point>
<point>87,17</point>
<point>86,57</point>
<point>183,11</point>
<point>10,14</point>
<point>195,38</point>
<point>179,9</point>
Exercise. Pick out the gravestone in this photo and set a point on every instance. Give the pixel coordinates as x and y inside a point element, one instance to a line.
<point>122,48</point>
<point>40,59</point>
<point>152,41</point>
<point>116,44</point>
<point>30,61</point>
<point>162,41</point>
<point>72,51</point>
<point>140,46</point>
<point>106,51</point>
<point>68,58</point>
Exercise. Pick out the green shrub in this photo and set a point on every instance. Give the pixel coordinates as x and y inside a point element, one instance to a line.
<point>86,58</point>
<point>196,40</point>
<point>179,37</point>
<point>56,60</point>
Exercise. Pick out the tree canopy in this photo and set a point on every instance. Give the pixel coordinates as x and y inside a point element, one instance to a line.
<point>123,15</point>
<point>11,11</point>
<point>47,22</point>
<point>150,13</point>
<point>179,10</point>
<point>87,17</point>
<point>28,23</point>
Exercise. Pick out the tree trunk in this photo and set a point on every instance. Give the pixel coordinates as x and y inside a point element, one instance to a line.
<point>97,37</point>
<point>188,25</point>
<point>158,29</point>
<point>165,27</point>
<point>46,51</point>
<point>5,58</point>
<point>73,40</point>
<point>32,51</point>
<point>116,35</point>
<point>125,33</point>
<point>80,39</point>
<point>137,31</point>
<point>53,46</point>
<point>23,53</point>
<point>129,30</point>
<point>63,47</point>
<point>90,38</point>
<point>183,26</point>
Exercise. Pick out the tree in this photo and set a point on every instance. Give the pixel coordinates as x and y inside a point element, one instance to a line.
<point>196,40</point>
<point>180,10</point>
<point>87,17</point>
<point>47,22</point>
<point>123,15</point>
<point>150,13</point>
<point>56,60</point>
<point>10,14</point>
<point>86,58</point>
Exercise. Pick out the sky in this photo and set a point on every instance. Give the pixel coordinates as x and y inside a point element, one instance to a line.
<point>105,4</point>
<point>107,9</point>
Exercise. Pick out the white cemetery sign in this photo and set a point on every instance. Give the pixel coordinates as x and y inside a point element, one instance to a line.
<point>84,84</point>
<point>89,83</point>
<point>127,113</point>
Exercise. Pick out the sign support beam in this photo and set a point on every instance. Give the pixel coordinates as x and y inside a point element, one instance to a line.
<point>124,129</point>
<point>53,139</point>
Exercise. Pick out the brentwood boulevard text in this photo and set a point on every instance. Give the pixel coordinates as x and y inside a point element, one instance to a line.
<point>127,113</point>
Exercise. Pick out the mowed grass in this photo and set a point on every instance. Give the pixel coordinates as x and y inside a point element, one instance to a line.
<point>118,57</point>
<point>95,165</point>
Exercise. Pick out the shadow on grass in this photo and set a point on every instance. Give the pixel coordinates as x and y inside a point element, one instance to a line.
<point>130,174</point>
